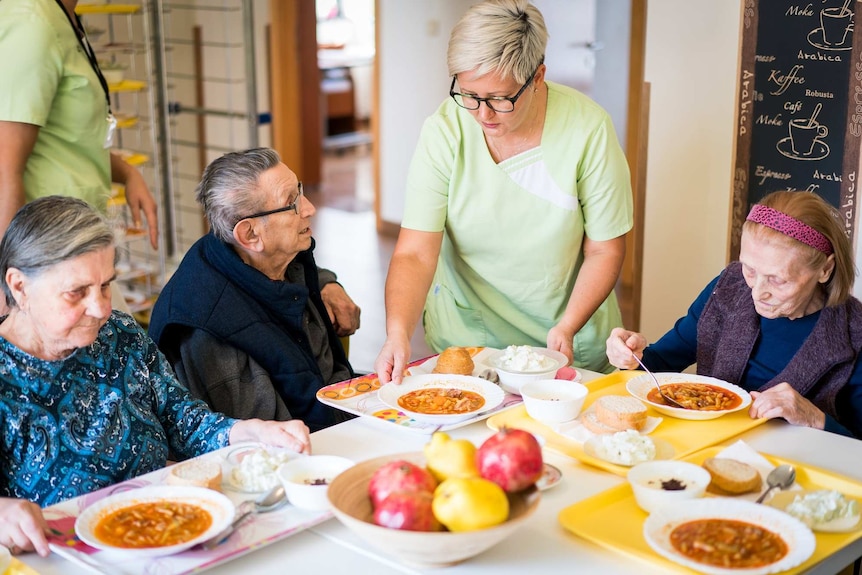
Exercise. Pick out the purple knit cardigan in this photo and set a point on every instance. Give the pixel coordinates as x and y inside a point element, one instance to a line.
<point>729,327</point>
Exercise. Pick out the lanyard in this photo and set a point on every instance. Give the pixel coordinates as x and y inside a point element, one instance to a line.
<point>78,28</point>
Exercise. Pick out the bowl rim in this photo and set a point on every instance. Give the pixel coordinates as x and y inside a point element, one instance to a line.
<point>561,359</point>
<point>582,390</point>
<point>637,473</point>
<point>307,462</point>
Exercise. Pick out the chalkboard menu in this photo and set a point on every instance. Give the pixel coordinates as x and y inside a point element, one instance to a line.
<point>799,105</point>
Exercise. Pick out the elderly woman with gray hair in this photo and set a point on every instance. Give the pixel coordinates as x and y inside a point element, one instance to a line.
<point>86,399</point>
<point>248,321</point>
<point>780,322</point>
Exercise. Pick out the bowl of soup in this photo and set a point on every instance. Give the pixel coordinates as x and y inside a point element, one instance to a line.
<point>155,520</point>
<point>442,399</point>
<point>704,397</point>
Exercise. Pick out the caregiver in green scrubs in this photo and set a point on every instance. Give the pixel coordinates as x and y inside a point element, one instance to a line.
<point>518,201</point>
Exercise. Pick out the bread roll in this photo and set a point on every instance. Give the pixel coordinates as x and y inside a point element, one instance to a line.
<point>731,476</point>
<point>197,473</point>
<point>591,422</point>
<point>620,412</point>
<point>454,360</point>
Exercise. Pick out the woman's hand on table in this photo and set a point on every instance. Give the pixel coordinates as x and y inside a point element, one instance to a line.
<point>22,526</point>
<point>291,434</point>
<point>620,346</point>
<point>785,402</point>
<point>392,360</point>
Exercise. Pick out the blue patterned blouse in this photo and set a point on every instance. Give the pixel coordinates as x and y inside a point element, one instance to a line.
<point>108,412</point>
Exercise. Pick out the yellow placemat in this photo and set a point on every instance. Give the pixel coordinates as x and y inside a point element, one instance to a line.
<point>612,519</point>
<point>684,435</point>
<point>17,567</point>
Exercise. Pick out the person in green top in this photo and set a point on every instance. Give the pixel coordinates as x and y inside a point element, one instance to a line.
<point>518,201</point>
<point>55,115</point>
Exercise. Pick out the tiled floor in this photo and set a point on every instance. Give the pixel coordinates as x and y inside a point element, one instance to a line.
<point>348,244</point>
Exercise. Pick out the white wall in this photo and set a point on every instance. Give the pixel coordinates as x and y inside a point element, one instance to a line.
<point>691,62</point>
<point>413,82</point>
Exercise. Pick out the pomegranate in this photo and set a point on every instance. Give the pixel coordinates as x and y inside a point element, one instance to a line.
<point>408,510</point>
<point>511,458</point>
<point>399,475</point>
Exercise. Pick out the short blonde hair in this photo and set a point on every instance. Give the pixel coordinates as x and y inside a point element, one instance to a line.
<point>506,37</point>
<point>815,212</point>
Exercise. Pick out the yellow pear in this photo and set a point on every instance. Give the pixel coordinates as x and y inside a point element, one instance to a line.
<point>446,457</point>
<point>470,504</point>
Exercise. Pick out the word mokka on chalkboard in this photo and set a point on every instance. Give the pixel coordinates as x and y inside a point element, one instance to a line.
<point>799,105</point>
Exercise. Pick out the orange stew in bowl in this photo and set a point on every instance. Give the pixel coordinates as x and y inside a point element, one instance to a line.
<point>156,524</point>
<point>697,396</point>
<point>441,401</point>
<point>728,543</point>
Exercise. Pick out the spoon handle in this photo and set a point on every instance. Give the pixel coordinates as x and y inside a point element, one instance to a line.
<point>765,493</point>
<point>245,509</point>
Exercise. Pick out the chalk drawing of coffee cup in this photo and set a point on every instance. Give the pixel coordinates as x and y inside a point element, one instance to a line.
<point>804,134</point>
<point>836,23</point>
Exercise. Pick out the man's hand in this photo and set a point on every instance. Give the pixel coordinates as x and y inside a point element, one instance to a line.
<point>343,312</point>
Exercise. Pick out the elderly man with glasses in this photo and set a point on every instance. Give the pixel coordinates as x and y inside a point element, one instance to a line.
<point>248,321</point>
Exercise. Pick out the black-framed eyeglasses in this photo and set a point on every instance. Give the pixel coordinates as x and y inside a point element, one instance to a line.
<point>501,104</point>
<point>292,206</point>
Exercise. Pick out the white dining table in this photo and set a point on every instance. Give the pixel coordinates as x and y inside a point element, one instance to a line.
<point>540,545</point>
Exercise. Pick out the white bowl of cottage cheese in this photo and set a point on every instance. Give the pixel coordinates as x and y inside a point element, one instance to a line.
<point>518,364</point>
<point>251,467</point>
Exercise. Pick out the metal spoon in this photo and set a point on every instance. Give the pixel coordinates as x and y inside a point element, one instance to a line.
<point>668,399</point>
<point>273,499</point>
<point>781,477</point>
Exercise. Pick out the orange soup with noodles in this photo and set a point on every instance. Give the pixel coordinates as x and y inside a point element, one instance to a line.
<point>697,396</point>
<point>441,401</point>
<point>728,543</point>
<point>156,524</point>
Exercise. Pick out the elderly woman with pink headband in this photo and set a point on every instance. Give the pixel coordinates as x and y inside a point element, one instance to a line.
<point>780,322</point>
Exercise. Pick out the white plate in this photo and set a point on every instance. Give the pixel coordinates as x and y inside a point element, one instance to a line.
<point>784,498</point>
<point>594,448</point>
<point>551,475</point>
<point>799,538</point>
<point>219,506</point>
<point>641,385</point>
<point>492,393</point>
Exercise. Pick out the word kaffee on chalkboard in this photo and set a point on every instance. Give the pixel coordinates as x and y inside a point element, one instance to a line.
<point>799,105</point>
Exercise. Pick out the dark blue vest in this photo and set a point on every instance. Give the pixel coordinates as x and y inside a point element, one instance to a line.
<point>215,291</point>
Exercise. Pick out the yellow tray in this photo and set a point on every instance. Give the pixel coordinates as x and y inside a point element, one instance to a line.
<point>591,518</point>
<point>17,567</point>
<point>684,435</point>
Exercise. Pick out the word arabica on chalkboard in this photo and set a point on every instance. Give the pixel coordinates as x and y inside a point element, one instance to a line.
<point>819,56</point>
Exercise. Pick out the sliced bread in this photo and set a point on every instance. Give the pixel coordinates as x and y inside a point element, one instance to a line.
<point>732,476</point>
<point>620,412</point>
<point>197,473</point>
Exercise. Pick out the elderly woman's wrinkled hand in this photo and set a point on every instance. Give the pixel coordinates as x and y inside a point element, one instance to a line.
<point>560,339</point>
<point>22,526</point>
<point>620,346</point>
<point>343,311</point>
<point>785,402</point>
<point>293,434</point>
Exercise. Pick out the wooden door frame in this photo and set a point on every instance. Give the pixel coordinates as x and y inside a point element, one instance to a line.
<point>637,128</point>
<point>297,126</point>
